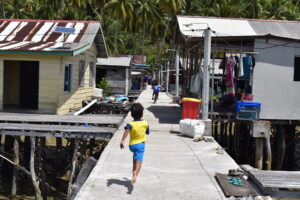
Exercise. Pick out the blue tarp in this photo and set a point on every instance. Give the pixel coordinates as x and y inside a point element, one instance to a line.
<point>141,66</point>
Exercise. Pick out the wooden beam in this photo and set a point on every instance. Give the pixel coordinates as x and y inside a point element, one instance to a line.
<point>73,167</point>
<point>35,182</point>
<point>82,176</point>
<point>16,162</point>
<point>60,135</point>
<point>26,172</point>
<point>67,119</point>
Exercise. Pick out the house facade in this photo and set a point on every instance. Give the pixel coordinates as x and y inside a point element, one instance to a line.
<point>272,45</point>
<point>48,66</point>
<point>117,71</point>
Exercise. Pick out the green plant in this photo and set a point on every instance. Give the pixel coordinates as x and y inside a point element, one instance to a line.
<point>104,86</point>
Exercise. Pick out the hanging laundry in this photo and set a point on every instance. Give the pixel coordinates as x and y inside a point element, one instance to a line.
<point>229,77</point>
<point>247,61</point>
<point>236,66</point>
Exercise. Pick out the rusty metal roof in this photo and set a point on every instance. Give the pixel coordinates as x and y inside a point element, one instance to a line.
<point>39,36</point>
<point>193,26</point>
<point>115,61</point>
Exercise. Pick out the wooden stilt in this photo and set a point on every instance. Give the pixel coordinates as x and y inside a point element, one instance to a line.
<point>8,147</point>
<point>269,153</point>
<point>92,143</point>
<point>41,166</point>
<point>58,153</point>
<point>26,172</point>
<point>259,144</point>
<point>27,146</point>
<point>16,161</point>
<point>73,168</point>
<point>83,175</point>
<point>35,182</point>
<point>236,140</point>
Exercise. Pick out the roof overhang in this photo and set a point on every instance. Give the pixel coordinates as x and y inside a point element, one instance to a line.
<point>190,29</point>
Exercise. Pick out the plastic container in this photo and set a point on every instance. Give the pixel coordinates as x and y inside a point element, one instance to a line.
<point>248,110</point>
<point>190,108</point>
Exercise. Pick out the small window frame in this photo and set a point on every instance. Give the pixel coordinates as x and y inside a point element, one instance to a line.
<point>68,77</point>
<point>297,69</point>
<point>81,72</point>
<point>91,74</point>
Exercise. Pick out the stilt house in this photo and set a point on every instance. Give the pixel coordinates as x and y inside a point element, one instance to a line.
<point>117,71</point>
<point>48,66</point>
<point>271,49</point>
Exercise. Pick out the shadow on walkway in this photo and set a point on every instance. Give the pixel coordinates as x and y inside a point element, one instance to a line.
<point>125,182</point>
<point>166,114</point>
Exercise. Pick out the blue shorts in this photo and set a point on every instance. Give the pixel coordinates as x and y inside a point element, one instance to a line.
<point>138,151</point>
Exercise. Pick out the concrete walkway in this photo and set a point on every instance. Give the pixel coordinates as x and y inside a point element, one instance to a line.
<point>174,167</point>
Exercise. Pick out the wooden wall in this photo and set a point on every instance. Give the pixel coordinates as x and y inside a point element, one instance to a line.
<point>116,78</point>
<point>52,98</point>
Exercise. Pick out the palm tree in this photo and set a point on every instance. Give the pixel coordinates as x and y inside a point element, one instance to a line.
<point>193,7</point>
<point>121,10</point>
<point>16,10</point>
<point>277,9</point>
<point>169,8</point>
<point>229,8</point>
<point>146,12</point>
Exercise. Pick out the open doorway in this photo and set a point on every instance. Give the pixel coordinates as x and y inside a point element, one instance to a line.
<point>100,73</point>
<point>21,84</point>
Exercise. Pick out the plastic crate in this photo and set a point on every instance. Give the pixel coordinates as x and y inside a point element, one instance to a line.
<point>248,110</point>
<point>248,115</point>
<point>248,105</point>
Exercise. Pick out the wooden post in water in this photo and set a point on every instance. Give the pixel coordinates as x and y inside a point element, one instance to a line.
<point>16,161</point>
<point>259,146</point>
<point>42,142</point>
<point>73,168</point>
<point>8,147</point>
<point>35,182</point>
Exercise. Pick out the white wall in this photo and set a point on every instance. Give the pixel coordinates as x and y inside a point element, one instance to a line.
<point>273,83</point>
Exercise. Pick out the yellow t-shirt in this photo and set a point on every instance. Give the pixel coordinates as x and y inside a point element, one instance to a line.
<point>138,131</point>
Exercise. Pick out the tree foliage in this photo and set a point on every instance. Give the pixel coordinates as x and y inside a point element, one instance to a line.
<point>146,26</point>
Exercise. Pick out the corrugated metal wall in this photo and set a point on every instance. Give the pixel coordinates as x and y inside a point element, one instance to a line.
<point>273,83</point>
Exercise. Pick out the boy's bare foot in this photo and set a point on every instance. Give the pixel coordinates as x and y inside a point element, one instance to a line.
<point>133,178</point>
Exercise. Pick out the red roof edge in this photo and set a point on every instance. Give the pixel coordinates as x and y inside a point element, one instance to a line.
<point>42,20</point>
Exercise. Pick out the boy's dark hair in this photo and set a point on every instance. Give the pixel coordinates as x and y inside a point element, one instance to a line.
<point>137,111</point>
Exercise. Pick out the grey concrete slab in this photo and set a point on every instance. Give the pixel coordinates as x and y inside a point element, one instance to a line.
<point>174,166</point>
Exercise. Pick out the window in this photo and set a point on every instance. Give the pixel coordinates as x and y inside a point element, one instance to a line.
<point>297,69</point>
<point>81,73</point>
<point>68,78</point>
<point>92,75</point>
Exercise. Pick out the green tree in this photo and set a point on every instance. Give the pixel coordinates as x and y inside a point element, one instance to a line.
<point>104,86</point>
<point>120,10</point>
<point>277,9</point>
<point>146,12</point>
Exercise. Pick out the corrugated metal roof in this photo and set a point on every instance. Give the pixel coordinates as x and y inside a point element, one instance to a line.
<point>115,61</point>
<point>39,35</point>
<point>193,26</point>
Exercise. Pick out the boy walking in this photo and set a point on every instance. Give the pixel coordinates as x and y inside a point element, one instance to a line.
<point>138,130</point>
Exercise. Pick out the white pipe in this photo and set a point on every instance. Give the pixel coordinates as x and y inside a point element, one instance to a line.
<point>205,88</point>
<point>85,107</point>
<point>177,74</point>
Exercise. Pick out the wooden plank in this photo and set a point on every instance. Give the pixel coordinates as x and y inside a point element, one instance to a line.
<point>269,181</point>
<point>82,119</point>
<point>232,190</point>
<point>277,179</point>
<point>55,128</point>
<point>58,134</point>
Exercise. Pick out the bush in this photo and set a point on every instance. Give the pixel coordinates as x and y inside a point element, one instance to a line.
<point>104,86</point>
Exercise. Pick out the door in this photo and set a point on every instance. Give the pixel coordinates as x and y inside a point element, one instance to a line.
<point>29,85</point>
